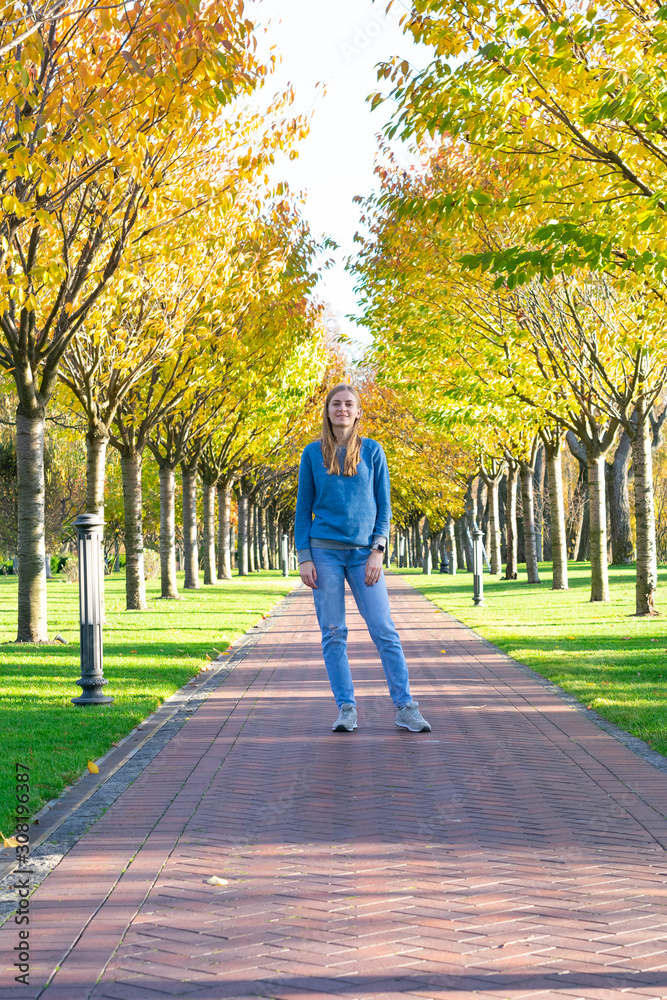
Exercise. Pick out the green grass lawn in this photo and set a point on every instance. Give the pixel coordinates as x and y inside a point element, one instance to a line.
<point>147,656</point>
<point>609,660</point>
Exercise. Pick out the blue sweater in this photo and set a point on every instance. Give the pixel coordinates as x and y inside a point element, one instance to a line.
<point>347,509</point>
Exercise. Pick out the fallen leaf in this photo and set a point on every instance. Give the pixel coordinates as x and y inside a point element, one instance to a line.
<point>9,841</point>
<point>93,768</point>
<point>214,880</point>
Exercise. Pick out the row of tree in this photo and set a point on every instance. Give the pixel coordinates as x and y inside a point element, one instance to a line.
<point>514,278</point>
<point>155,281</point>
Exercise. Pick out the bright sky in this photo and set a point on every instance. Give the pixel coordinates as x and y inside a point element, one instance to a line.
<point>337,43</point>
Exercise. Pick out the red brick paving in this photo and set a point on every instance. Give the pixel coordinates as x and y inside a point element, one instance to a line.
<point>517,851</point>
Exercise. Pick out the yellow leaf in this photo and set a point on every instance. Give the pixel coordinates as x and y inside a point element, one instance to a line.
<point>8,841</point>
<point>93,768</point>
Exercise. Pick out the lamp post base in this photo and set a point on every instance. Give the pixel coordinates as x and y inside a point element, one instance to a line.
<point>87,699</point>
<point>92,694</point>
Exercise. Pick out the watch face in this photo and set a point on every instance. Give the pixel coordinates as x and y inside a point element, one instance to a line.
<point>380,548</point>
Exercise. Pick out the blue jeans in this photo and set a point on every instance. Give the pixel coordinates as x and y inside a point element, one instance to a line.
<point>334,567</point>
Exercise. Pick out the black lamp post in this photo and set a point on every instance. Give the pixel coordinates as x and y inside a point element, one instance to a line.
<point>89,530</point>
<point>477,568</point>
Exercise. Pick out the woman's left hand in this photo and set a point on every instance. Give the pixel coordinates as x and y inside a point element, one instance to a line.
<point>374,567</point>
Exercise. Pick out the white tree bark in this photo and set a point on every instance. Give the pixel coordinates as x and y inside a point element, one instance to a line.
<point>494,528</point>
<point>190,547</point>
<point>224,550</point>
<point>557,508</point>
<point>208,491</point>
<point>131,463</point>
<point>32,613</point>
<point>528,499</point>
<point>598,528</point>
<point>168,581</point>
<point>243,535</point>
<point>511,571</point>
<point>646,586</point>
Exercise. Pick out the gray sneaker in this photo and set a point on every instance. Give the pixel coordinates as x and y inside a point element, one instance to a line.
<point>347,719</point>
<point>409,717</point>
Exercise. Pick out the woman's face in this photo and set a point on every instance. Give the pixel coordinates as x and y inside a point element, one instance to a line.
<point>343,411</point>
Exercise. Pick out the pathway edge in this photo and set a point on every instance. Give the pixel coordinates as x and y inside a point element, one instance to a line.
<point>633,743</point>
<point>81,804</point>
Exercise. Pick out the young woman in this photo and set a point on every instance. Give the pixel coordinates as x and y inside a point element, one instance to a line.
<point>341,531</point>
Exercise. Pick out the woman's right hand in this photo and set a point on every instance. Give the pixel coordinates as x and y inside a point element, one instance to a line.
<point>308,573</point>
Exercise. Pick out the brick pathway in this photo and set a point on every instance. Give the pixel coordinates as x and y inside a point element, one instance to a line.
<point>517,851</point>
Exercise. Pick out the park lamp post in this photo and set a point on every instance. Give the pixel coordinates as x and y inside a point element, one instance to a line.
<point>89,529</point>
<point>284,554</point>
<point>477,568</point>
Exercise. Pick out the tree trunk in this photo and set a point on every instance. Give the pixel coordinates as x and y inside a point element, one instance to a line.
<point>458,537</point>
<point>494,528</point>
<point>168,533</point>
<point>32,613</point>
<point>538,503</point>
<point>131,463</point>
<point>511,569</point>
<point>209,532</point>
<point>436,555</point>
<point>557,517</point>
<point>647,564</point>
<point>467,544</point>
<point>427,558</point>
<point>224,510</point>
<point>597,508</point>
<point>96,455</point>
<point>471,505</point>
<point>250,536</point>
<point>243,536</point>
<point>263,546</point>
<point>529,522</point>
<point>255,536</point>
<point>96,460</point>
<point>622,545</point>
<point>271,530</point>
<point>482,511</point>
<point>190,547</point>
<point>546,514</point>
<point>451,546</point>
<point>417,544</point>
<point>583,526</point>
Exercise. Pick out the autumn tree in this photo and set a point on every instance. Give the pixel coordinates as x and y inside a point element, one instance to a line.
<point>97,106</point>
<point>584,350</point>
<point>568,97</point>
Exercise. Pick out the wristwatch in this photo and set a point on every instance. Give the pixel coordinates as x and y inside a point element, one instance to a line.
<point>379,546</point>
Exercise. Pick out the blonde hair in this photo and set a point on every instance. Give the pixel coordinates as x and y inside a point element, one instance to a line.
<point>330,444</point>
